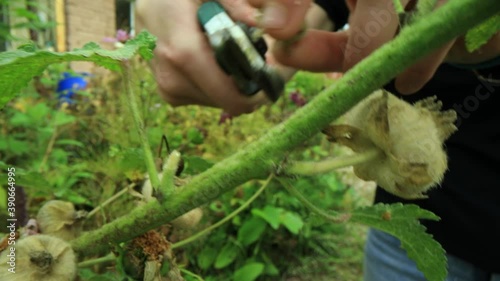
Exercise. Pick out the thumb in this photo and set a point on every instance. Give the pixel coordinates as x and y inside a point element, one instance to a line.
<point>282,19</point>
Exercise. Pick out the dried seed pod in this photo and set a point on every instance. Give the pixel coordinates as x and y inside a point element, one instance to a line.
<point>188,220</point>
<point>410,138</point>
<point>60,219</point>
<point>39,258</point>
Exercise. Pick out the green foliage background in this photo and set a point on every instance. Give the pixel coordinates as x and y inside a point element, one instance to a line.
<point>84,155</point>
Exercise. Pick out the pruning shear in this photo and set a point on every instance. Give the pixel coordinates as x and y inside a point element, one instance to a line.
<point>240,52</point>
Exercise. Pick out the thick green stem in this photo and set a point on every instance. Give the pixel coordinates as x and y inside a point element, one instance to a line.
<point>139,124</point>
<point>310,168</point>
<point>338,218</point>
<point>258,159</point>
<point>224,220</point>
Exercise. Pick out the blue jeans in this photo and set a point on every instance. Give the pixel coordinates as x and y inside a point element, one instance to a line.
<point>385,260</point>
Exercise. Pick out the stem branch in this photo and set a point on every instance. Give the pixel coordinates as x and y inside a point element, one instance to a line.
<point>311,168</point>
<point>257,159</point>
<point>225,219</point>
<point>50,146</point>
<point>89,263</point>
<point>339,218</point>
<point>109,200</point>
<point>139,124</point>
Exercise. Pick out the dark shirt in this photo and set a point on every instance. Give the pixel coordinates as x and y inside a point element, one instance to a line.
<point>468,200</point>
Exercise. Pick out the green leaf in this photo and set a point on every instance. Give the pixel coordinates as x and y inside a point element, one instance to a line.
<point>20,119</point>
<point>60,118</point>
<point>76,198</point>
<point>251,230</point>
<point>19,66</point>
<point>481,33</point>
<point>38,112</point>
<point>33,180</point>
<point>194,136</point>
<point>195,164</point>
<point>90,275</point>
<point>226,256</point>
<point>402,222</point>
<point>3,196</point>
<point>270,268</point>
<point>206,257</point>
<point>270,214</point>
<point>70,142</point>
<point>249,272</point>
<point>292,222</point>
<point>14,146</point>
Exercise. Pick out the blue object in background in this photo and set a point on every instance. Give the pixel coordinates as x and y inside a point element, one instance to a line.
<point>69,85</point>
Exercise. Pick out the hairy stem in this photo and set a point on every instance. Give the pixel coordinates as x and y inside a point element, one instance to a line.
<point>225,219</point>
<point>92,262</point>
<point>259,158</point>
<point>310,168</point>
<point>139,124</point>
<point>50,146</point>
<point>338,218</point>
<point>109,200</point>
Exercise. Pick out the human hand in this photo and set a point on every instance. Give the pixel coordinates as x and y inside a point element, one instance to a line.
<point>372,24</point>
<point>184,64</point>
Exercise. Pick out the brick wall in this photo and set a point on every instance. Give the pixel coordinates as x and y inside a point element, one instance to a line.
<point>89,20</point>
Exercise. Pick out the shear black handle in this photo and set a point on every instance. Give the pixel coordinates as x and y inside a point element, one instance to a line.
<point>239,52</point>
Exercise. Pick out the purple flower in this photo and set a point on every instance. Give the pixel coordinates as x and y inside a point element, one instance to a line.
<point>298,99</point>
<point>224,116</point>
<point>122,36</point>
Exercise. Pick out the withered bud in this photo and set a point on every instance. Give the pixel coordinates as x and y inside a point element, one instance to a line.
<point>41,258</point>
<point>188,220</point>
<point>410,137</point>
<point>60,219</point>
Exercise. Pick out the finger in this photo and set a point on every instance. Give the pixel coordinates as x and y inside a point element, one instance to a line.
<point>195,59</point>
<point>282,19</point>
<point>460,55</point>
<point>318,51</point>
<point>240,10</point>
<point>415,77</point>
<point>351,4</point>
<point>174,87</point>
<point>372,24</point>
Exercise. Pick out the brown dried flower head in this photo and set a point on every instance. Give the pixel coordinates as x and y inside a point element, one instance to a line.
<point>410,138</point>
<point>40,258</point>
<point>60,219</point>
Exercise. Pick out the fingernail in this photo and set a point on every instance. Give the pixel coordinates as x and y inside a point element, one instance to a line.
<point>274,16</point>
